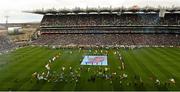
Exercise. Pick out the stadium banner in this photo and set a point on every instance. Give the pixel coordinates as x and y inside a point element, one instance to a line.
<point>95,60</point>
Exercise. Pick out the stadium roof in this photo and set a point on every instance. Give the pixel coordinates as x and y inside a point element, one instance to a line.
<point>119,10</point>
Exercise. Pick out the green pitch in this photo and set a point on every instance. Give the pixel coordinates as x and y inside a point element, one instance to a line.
<point>144,64</point>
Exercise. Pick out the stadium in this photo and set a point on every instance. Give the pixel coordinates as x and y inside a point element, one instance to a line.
<point>96,49</point>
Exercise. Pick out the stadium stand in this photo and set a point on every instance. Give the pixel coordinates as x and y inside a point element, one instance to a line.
<point>109,39</point>
<point>133,28</point>
<point>5,44</point>
<point>109,20</point>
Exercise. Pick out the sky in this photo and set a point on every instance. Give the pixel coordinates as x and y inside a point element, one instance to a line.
<point>14,8</point>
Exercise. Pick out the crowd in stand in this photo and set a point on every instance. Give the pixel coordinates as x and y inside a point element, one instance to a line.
<point>5,44</point>
<point>109,39</point>
<point>110,19</point>
<point>110,36</point>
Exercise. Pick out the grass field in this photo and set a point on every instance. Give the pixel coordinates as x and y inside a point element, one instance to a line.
<point>17,67</point>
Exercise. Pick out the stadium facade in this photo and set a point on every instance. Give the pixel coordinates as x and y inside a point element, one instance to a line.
<point>110,27</point>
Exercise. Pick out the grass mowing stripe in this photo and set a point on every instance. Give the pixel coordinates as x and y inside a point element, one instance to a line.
<point>77,56</point>
<point>173,61</point>
<point>36,67</point>
<point>170,70</point>
<point>40,66</point>
<point>176,49</point>
<point>157,69</point>
<point>129,68</point>
<point>14,58</point>
<point>138,67</point>
<point>9,57</point>
<point>17,70</point>
<point>66,63</point>
<point>24,51</point>
<point>14,67</point>
<point>143,65</point>
<point>114,63</point>
<point>29,71</point>
<point>129,65</point>
<point>173,53</point>
<point>153,64</point>
<point>165,63</point>
<point>74,61</point>
<point>144,70</point>
<point>159,61</point>
<point>148,64</point>
<point>83,81</point>
<point>47,85</point>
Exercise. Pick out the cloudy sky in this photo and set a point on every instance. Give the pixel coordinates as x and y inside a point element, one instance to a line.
<point>14,8</point>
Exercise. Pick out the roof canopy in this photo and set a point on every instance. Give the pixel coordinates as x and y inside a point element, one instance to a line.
<point>109,10</point>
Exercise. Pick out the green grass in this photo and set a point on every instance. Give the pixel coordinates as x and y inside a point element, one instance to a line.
<point>17,67</point>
